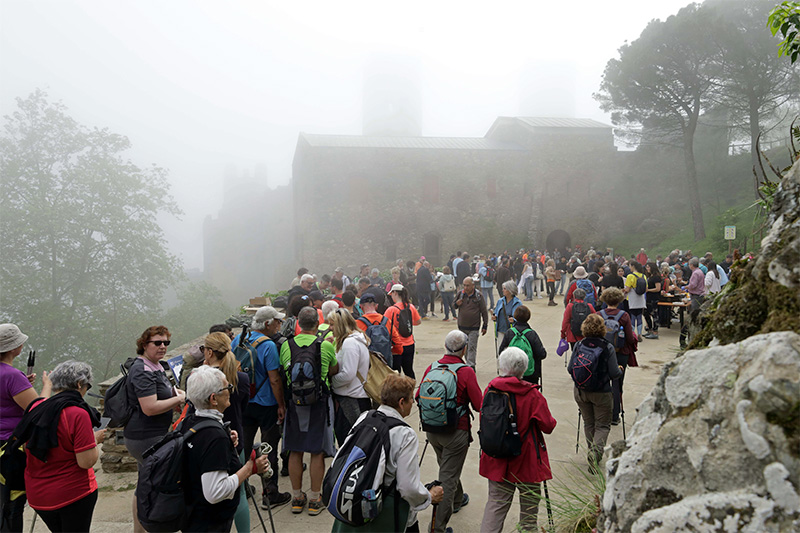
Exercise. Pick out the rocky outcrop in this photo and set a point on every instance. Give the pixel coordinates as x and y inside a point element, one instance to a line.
<point>716,445</point>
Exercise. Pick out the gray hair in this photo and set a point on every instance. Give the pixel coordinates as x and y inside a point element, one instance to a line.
<point>694,262</point>
<point>308,318</point>
<point>202,383</point>
<point>511,287</point>
<point>579,294</point>
<point>329,307</point>
<point>375,271</point>
<point>306,277</point>
<point>512,362</point>
<point>71,375</point>
<point>455,341</point>
<point>261,318</point>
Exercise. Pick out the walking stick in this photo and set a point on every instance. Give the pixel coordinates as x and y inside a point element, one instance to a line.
<point>262,449</point>
<point>578,438</point>
<point>249,494</point>
<point>429,486</point>
<point>622,415</point>
<point>423,452</point>
<point>544,482</point>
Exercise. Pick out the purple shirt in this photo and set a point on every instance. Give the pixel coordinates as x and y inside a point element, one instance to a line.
<point>12,382</point>
<point>697,283</point>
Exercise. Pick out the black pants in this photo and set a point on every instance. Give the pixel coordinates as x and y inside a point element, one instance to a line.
<point>11,520</point>
<point>651,315</point>
<point>73,518</point>
<point>405,362</point>
<point>266,419</point>
<point>551,290</point>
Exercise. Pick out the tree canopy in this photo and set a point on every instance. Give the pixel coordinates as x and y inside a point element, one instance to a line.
<point>84,260</point>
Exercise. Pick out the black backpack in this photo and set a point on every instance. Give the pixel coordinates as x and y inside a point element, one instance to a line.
<point>160,500</point>
<point>305,372</point>
<point>615,333</point>
<point>405,322</point>
<point>498,433</point>
<point>586,367</point>
<point>490,273</point>
<point>580,310</point>
<point>353,488</point>
<point>641,285</point>
<point>116,404</point>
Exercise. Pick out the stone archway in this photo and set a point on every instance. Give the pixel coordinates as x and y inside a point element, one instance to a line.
<point>558,240</point>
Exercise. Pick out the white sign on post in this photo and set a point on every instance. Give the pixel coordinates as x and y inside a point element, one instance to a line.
<point>730,233</point>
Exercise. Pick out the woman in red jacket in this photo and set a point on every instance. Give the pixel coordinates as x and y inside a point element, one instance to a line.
<point>525,471</point>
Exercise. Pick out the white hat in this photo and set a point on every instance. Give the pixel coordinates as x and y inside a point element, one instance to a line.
<point>397,287</point>
<point>579,273</point>
<point>11,337</point>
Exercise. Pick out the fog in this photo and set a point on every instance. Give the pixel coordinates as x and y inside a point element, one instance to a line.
<point>199,87</point>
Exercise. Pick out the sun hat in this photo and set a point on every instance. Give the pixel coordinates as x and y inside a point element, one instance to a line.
<point>11,337</point>
<point>579,273</point>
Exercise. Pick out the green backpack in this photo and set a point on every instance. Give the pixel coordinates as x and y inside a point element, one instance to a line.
<point>521,342</point>
<point>438,411</point>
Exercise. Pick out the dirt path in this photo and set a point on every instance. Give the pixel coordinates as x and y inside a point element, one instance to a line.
<point>113,511</point>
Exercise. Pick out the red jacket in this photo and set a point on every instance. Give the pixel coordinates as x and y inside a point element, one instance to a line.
<point>566,329</point>
<point>527,467</point>
<point>467,389</point>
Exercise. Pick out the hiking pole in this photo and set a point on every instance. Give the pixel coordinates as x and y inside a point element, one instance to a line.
<point>249,494</point>
<point>622,415</point>
<point>578,438</point>
<point>544,481</point>
<point>423,452</point>
<point>429,486</point>
<point>263,448</point>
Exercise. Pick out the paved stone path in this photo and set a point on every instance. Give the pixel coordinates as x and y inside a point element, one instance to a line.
<point>113,511</point>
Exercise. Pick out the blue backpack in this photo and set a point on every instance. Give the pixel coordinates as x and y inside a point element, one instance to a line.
<point>380,340</point>
<point>438,411</point>
<point>588,288</point>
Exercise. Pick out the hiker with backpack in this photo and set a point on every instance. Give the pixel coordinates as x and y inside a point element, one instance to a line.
<point>486,276</point>
<point>503,313</point>
<point>212,471</point>
<point>522,336</point>
<point>444,396</point>
<point>377,328</point>
<point>636,290</point>
<point>308,364</point>
<point>592,367</point>
<point>257,354</point>
<point>514,419</point>
<point>620,333</point>
<point>349,397</point>
<point>581,282</point>
<point>385,474</point>
<point>654,288</point>
<point>218,354</point>
<point>574,315</point>
<point>61,449</point>
<point>402,317</point>
<point>152,398</point>
<point>447,289</point>
<point>472,317</point>
<point>424,281</point>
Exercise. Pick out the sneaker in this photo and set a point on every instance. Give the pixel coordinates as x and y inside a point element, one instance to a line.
<point>434,315</point>
<point>551,303</point>
<point>540,296</point>
<point>299,503</point>
<point>651,336</point>
<point>464,502</point>
<point>314,506</point>
<point>445,320</point>
<point>615,422</point>
<point>276,499</point>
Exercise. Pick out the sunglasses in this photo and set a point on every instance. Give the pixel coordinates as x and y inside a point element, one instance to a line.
<point>159,343</point>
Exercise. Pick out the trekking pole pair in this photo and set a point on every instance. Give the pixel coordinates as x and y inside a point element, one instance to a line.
<point>544,482</point>
<point>261,449</point>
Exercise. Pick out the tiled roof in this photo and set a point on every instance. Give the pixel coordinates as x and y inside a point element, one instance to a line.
<point>545,122</point>
<point>439,143</point>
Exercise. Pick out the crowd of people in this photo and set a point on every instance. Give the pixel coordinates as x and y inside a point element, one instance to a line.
<point>303,389</point>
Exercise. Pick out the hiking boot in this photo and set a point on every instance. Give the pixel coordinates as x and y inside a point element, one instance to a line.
<point>314,506</point>
<point>299,503</point>
<point>464,502</point>
<point>275,499</point>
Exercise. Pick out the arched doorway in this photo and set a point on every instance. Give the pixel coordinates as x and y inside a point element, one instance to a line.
<point>558,240</point>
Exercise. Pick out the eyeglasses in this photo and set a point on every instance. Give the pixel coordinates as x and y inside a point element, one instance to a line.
<point>88,387</point>
<point>159,343</point>
<point>229,388</point>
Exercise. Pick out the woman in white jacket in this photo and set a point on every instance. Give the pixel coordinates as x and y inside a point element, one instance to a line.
<point>712,279</point>
<point>349,397</point>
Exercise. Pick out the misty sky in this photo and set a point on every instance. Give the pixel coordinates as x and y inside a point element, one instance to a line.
<point>198,86</point>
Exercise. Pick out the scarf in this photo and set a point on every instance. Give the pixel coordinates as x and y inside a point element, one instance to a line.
<point>39,427</point>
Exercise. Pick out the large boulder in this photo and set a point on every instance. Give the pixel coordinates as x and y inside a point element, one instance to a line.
<point>716,444</point>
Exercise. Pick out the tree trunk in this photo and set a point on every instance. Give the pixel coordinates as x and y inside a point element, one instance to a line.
<point>691,179</point>
<point>755,128</point>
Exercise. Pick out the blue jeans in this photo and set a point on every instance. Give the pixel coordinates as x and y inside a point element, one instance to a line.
<point>560,284</point>
<point>488,296</point>
<point>447,302</point>
<point>529,288</point>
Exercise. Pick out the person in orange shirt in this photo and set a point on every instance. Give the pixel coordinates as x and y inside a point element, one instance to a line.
<point>402,317</point>
<point>369,309</point>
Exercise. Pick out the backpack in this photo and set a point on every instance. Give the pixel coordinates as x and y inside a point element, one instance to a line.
<point>247,355</point>
<point>615,333</point>
<point>588,288</point>
<point>586,367</point>
<point>353,489</point>
<point>379,369</point>
<point>521,341</point>
<point>116,404</point>
<point>438,411</point>
<point>490,273</point>
<point>160,500</point>
<point>580,310</point>
<point>305,372</point>
<point>641,285</point>
<point>448,285</point>
<point>288,327</point>
<point>379,337</point>
<point>405,322</point>
<point>498,434</point>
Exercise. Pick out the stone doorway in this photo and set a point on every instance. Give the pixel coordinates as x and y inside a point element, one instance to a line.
<point>431,249</point>
<point>558,240</point>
